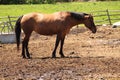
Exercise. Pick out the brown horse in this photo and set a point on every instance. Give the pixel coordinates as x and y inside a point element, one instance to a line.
<point>58,23</point>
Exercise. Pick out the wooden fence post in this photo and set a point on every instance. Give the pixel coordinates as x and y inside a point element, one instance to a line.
<point>10,22</point>
<point>108,17</point>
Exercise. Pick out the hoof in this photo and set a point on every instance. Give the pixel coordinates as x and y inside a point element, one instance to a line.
<point>29,57</point>
<point>62,56</point>
<point>53,56</point>
<point>24,57</point>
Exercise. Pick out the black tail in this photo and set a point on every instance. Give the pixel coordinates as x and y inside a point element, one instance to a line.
<point>18,31</point>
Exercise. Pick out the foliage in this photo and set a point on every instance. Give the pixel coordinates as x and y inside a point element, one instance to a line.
<point>41,1</point>
<point>27,1</point>
<point>12,1</point>
<point>16,10</point>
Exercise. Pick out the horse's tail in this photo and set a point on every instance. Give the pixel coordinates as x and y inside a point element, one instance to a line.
<point>18,31</point>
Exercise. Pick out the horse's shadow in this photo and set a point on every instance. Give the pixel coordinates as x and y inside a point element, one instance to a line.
<point>56,57</point>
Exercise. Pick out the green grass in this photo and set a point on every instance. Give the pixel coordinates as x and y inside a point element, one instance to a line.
<point>17,10</point>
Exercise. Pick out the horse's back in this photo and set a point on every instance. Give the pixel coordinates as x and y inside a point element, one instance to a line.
<point>46,24</point>
<point>31,17</point>
<point>39,17</point>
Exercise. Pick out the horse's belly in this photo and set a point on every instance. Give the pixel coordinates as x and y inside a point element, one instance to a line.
<point>46,30</point>
<point>47,33</point>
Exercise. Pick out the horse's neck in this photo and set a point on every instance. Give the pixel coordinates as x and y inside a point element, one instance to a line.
<point>74,23</point>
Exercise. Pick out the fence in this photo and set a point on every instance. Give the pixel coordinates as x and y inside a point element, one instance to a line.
<point>100,17</point>
<point>7,29</point>
<point>7,24</point>
<point>106,16</point>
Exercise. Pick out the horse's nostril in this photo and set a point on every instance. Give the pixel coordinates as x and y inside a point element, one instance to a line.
<point>94,31</point>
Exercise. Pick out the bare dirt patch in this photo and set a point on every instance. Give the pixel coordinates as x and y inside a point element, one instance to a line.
<point>88,57</point>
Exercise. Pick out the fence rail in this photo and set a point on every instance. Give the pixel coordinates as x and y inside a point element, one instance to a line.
<point>7,24</point>
<point>106,16</point>
<point>100,17</point>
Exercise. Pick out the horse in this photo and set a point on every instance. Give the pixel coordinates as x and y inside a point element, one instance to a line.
<point>58,23</point>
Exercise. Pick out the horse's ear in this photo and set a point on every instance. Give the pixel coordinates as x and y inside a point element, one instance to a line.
<point>86,16</point>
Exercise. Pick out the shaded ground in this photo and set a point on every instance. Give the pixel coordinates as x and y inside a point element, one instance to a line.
<point>88,57</point>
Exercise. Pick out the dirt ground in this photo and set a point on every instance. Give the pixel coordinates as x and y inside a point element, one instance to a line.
<point>88,57</point>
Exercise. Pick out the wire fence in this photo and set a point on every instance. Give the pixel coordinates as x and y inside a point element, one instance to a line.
<point>107,17</point>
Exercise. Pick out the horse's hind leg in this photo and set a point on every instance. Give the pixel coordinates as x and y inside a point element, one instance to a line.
<point>25,46</point>
<point>61,47</point>
<point>23,49</point>
<point>27,51</point>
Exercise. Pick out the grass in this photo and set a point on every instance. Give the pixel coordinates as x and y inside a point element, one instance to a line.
<point>16,10</point>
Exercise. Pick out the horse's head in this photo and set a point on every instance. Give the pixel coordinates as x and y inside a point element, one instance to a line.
<point>86,19</point>
<point>89,22</point>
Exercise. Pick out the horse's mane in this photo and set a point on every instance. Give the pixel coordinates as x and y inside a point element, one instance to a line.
<point>77,16</point>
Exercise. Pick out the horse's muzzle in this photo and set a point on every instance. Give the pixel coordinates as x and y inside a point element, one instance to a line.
<point>94,31</point>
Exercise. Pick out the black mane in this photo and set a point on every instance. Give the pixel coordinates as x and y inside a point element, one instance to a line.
<point>78,16</point>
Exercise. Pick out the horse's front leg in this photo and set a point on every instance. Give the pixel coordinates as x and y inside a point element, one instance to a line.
<point>56,45</point>
<point>61,47</point>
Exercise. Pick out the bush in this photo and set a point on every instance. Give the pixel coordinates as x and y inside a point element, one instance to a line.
<point>41,1</point>
<point>34,1</point>
<point>27,1</point>
<point>50,1</point>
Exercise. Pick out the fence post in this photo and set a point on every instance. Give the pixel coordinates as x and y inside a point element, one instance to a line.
<point>108,17</point>
<point>10,22</point>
